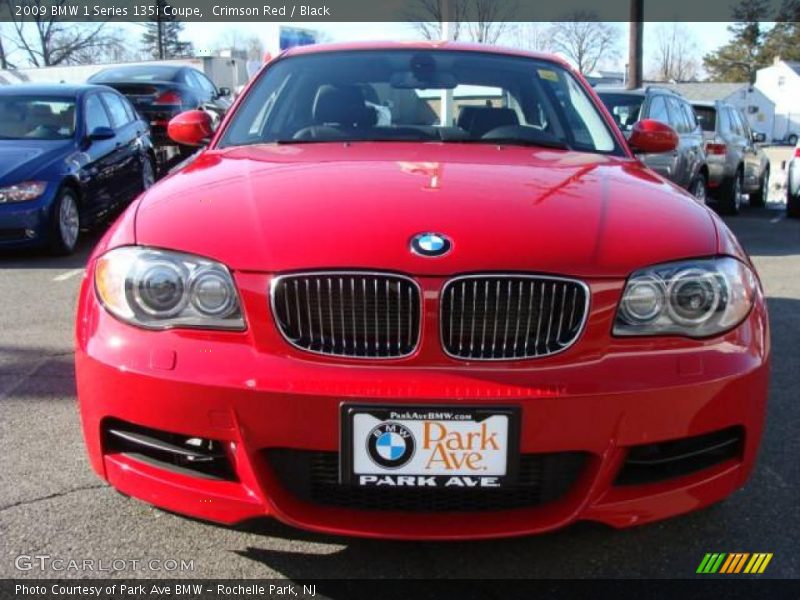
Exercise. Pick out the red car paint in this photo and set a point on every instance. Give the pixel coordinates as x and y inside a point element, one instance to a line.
<point>507,209</point>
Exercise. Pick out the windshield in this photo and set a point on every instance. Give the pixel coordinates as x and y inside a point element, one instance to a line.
<point>707,117</point>
<point>625,108</point>
<point>144,73</point>
<point>42,118</point>
<point>396,95</point>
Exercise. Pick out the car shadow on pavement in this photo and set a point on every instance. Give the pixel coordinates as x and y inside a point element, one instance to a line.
<point>40,258</point>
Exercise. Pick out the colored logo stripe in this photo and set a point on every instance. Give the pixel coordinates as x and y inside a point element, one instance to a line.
<point>720,562</point>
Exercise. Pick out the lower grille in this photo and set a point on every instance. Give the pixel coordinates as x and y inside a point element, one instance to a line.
<point>650,463</point>
<point>11,235</point>
<point>362,315</point>
<point>314,477</point>
<point>506,317</point>
<point>184,454</point>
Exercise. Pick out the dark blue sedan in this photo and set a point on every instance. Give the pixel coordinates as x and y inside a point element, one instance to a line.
<point>70,155</point>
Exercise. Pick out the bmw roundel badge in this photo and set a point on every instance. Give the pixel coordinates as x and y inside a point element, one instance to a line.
<point>391,445</point>
<point>430,244</point>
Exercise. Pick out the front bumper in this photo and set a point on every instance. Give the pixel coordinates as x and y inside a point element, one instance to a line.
<point>598,401</point>
<point>26,224</point>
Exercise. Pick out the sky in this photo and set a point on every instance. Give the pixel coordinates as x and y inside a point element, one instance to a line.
<point>707,36</point>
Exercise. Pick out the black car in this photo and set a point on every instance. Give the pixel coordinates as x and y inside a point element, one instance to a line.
<point>69,157</point>
<point>687,165</point>
<point>159,92</point>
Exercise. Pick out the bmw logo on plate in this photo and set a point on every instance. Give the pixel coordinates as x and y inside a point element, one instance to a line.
<point>391,445</point>
<point>430,244</point>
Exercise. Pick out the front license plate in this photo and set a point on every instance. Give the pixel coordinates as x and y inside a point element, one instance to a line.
<point>428,446</point>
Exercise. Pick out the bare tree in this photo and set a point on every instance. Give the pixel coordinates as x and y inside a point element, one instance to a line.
<point>531,36</point>
<point>674,56</point>
<point>4,64</point>
<point>584,40</point>
<point>115,48</point>
<point>486,20</point>
<point>46,40</point>
<point>427,16</point>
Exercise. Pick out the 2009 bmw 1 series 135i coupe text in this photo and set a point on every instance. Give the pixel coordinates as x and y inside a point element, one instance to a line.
<point>421,291</point>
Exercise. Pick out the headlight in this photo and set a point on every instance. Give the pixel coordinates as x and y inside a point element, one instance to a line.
<point>696,298</point>
<point>22,192</point>
<point>158,289</point>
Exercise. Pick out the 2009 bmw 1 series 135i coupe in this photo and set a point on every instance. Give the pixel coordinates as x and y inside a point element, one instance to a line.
<point>421,291</point>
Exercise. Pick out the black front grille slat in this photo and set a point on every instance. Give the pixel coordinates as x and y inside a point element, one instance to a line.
<point>314,477</point>
<point>506,317</point>
<point>361,315</point>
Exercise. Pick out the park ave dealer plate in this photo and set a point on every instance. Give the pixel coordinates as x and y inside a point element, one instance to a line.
<point>428,446</point>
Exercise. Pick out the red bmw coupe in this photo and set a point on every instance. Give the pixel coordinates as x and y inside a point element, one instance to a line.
<point>421,291</point>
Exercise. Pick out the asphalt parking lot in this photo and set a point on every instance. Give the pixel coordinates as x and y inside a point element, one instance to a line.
<point>51,503</point>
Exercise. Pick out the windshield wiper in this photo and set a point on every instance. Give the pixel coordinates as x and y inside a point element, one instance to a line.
<point>514,142</point>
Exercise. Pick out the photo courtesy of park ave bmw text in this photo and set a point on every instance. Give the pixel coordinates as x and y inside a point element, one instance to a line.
<point>423,298</point>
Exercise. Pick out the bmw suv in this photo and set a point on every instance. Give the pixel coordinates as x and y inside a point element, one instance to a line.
<point>686,166</point>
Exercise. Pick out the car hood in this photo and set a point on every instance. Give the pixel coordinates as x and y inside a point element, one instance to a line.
<point>24,159</point>
<point>316,206</point>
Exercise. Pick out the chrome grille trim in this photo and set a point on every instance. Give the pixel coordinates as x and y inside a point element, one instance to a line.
<point>524,316</point>
<point>358,314</point>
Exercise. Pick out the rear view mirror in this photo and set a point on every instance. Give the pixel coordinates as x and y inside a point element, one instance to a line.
<point>435,81</point>
<point>191,128</point>
<point>759,138</point>
<point>652,137</point>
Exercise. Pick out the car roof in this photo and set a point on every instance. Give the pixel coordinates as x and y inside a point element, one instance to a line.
<point>51,89</point>
<point>423,45</point>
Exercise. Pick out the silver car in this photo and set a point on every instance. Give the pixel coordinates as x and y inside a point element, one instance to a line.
<point>736,164</point>
<point>686,166</point>
<point>793,185</point>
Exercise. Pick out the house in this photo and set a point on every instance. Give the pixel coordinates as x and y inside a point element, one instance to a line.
<point>780,82</point>
<point>753,103</point>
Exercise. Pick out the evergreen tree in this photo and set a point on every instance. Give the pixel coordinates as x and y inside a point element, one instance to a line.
<point>783,39</point>
<point>739,58</point>
<point>168,44</point>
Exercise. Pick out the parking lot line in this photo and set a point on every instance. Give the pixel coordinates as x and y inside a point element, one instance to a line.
<point>67,275</point>
<point>780,217</point>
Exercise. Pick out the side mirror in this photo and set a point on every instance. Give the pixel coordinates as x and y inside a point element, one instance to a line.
<point>101,133</point>
<point>652,137</point>
<point>224,92</point>
<point>759,138</point>
<point>191,128</point>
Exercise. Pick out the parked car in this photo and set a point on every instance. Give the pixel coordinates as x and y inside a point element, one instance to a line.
<point>737,166</point>
<point>69,157</point>
<point>418,330</point>
<point>793,185</point>
<point>159,92</point>
<point>686,166</point>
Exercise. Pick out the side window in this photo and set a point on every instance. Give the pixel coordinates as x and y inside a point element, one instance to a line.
<point>658,110</point>
<point>744,126</point>
<point>736,123</point>
<point>688,111</point>
<point>724,121</point>
<point>132,114</point>
<point>119,115</point>
<point>676,117</point>
<point>95,113</point>
<point>206,84</point>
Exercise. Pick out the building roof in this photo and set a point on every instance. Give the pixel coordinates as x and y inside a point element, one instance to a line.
<point>705,92</point>
<point>793,65</point>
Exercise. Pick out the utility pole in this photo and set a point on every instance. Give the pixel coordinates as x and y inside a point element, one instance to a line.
<point>635,48</point>
<point>160,25</point>
<point>446,98</point>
